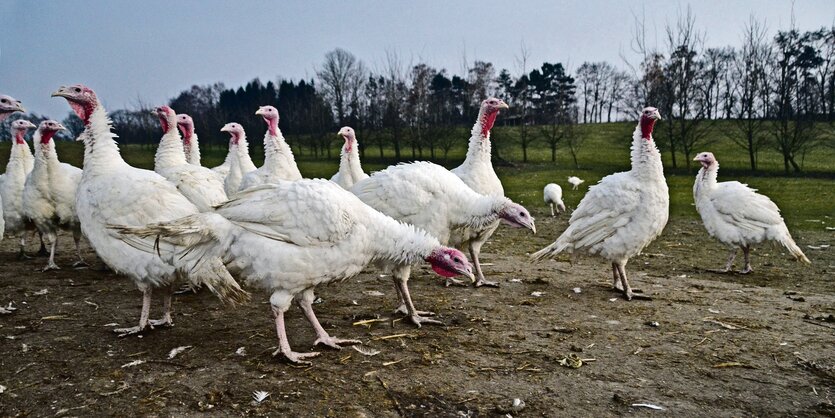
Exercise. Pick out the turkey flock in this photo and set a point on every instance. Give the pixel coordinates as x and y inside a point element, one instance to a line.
<point>238,226</point>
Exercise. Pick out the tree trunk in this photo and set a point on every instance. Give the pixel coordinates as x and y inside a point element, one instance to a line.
<point>553,153</point>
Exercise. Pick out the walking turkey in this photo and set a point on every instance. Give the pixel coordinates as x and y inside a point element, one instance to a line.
<point>287,238</point>
<point>49,193</point>
<point>198,184</point>
<point>350,169</point>
<point>623,213</point>
<point>279,163</point>
<point>429,196</point>
<point>239,161</point>
<point>575,182</point>
<point>737,215</point>
<point>111,192</point>
<point>477,172</point>
<point>553,197</point>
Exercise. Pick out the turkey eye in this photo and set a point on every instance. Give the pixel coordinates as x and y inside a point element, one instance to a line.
<point>4,101</point>
<point>522,214</point>
<point>77,90</point>
<point>456,259</point>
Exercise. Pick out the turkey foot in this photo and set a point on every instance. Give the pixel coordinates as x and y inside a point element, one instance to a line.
<point>719,271</point>
<point>80,264</point>
<point>165,322</point>
<point>294,357</point>
<point>420,320</point>
<point>22,255</point>
<point>455,282</point>
<point>746,270</point>
<point>335,343</point>
<point>481,282</point>
<point>402,309</point>
<point>124,332</point>
<point>50,266</point>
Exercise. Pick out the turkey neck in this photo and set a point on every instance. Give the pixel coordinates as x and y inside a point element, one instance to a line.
<point>397,242</point>
<point>706,179</point>
<point>479,148</point>
<point>44,152</point>
<point>100,149</point>
<point>349,161</point>
<point>482,212</point>
<point>191,148</point>
<point>277,152</point>
<point>242,151</point>
<point>170,152</point>
<point>646,160</point>
<point>20,149</point>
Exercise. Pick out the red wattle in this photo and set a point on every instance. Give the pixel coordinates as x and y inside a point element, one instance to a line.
<point>18,136</point>
<point>46,136</point>
<point>443,272</point>
<point>487,122</point>
<point>647,125</point>
<point>272,126</point>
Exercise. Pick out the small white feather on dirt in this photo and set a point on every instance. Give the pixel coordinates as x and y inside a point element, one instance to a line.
<point>133,363</point>
<point>174,351</point>
<point>365,351</point>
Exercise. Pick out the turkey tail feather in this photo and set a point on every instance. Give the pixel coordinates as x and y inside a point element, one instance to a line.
<point>795,251</point>
<point>548,252</point>
<point>193,245</point>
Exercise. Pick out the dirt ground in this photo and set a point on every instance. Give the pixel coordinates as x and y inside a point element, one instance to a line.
<point>705,345</point>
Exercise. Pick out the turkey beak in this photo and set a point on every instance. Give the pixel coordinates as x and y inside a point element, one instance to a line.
<point>225,129</point>
<point>468,272</point>
<point>29,125</point>
<point>61,92</point>
<point>20,107</point>
<point>260,111</point>
<point>656,115</point>
<point>60,127</point>
<point>503,105</point>
<point>533,226</point>
<point>696,159</point>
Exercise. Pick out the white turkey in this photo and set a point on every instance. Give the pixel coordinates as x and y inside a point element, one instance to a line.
<point>113,192</point>
<point>737,215</point>
<point>623,213</point>
<point>223,169</point>
<point>49,193</point>
<point>429,196</point>
<point>350,169</point>
<point>279,163</point>
<point>477,172</point>
<point>575,182</point>
<point>289,237</point>
<point>553,197</point>
<point>191,144</point>
<point>239,161</point>
<point>198,184</point>
<point>21,162</point>
<point>8,105</point>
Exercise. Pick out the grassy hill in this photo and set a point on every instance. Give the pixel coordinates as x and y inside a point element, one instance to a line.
<point>805,197</point>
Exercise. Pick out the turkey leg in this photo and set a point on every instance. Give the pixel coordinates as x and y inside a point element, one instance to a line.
<point>401,281</point>
<point>627,291</point>
<point>143,316</point>
<point>76,236</point>
<point>305,302</point>
<point>729,264</point>
<point>616,278</point>
<point>403,309</point>
<point>166,309</point>
<point>280,302</point>
<point>53,241</point>
<point>746,250</point>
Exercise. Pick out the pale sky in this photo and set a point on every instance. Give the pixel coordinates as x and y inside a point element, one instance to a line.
<point>153,49</point>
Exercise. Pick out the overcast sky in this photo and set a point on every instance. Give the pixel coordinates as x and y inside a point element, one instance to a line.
<point>153,49</point>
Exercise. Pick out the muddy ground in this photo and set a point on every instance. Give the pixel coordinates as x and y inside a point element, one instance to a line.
<point>724,345</point>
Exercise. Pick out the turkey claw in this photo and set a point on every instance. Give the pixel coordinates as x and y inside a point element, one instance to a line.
<point>167,323</point>
<point>335,343</point>
<point>124,332</point>
<point>481,283</point>
<point>80,265</point>
<point>403,310</point>
<point>420,320</point>
<point>49,267</point>
<point>296,358</point>
<point>454,282</point>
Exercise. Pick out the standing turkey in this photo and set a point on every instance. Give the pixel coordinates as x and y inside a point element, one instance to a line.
<point>350,169</point>
<point>8,105</point>
<point>289,237</point>
<point>111,192</point>
<point>49,193</point>
<point>553,197</point>
<point>477,172</point>
<point>239,161</point>
<point>279,163</point>
<point>429,196</point>
<point>198,184</point>
<point>737,215</point>
<point>12,182</point>
<point>623,213</point>
<point>575,182</point>
<point>191,145</point>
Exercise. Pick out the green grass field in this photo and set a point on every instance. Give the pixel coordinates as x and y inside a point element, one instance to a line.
<point>605,150</point>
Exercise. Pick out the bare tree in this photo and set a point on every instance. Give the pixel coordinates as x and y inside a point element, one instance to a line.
<point>341,79</point>
<point>750,70</point>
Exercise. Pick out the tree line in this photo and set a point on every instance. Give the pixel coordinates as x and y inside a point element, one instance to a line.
<point>776,91</point>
